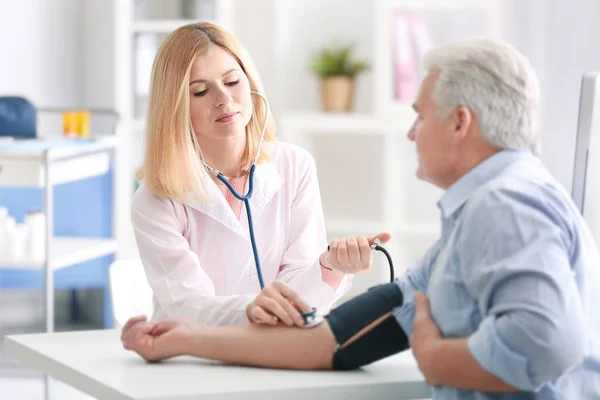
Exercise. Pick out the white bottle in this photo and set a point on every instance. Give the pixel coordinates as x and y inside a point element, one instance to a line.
<point>19,243</point>
<point>3,235</point>
<point>35,246</point>
<point>8,228</point>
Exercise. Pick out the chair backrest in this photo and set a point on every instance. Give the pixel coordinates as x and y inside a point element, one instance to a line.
<point>131,294</point>
<point>18,117</point>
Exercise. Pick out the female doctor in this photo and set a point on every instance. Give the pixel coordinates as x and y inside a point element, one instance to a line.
<point>192,233</point>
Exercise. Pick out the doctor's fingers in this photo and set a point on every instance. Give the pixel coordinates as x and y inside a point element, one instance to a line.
<point>341,255</point>
<point>131,325</point>
<point>289,293</point>
<point>291,310</point>
<point>384,237</point>
<point>277,307</point>
<point>260,316</point>
<point>366,252</point>
<point>354,255</point>
<point>165,326</point>
<point>131,322</point>
<point>135,335</point>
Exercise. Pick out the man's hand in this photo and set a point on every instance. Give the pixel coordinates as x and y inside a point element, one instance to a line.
<point>277,302</point>
<point>155,341</point>
<point>353,254</point>
<point>425,338</point>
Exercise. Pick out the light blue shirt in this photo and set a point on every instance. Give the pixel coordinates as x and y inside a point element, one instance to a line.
<point>516,270</point>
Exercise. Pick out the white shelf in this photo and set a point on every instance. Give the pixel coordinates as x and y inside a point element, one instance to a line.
<point>22,162</point>
<point>436,5</point>
<point>348,123</point>
<point>160,26</point>
<point>67,251</point>
<point>58,149</point>
<point>362,227</point>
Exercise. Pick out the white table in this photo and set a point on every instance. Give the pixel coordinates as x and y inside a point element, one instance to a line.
<point>96,363</point>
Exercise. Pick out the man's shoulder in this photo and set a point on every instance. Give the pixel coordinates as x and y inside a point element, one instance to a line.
<point>514,212</point>
<point>521,182</point>
<point>523,191</point>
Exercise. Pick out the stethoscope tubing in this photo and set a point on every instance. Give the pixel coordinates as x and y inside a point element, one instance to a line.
<point>246,200</point>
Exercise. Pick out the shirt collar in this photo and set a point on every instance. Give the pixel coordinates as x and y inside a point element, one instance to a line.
<point>462,189</point>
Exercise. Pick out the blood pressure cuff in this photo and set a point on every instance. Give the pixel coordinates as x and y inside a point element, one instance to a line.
<point>365,329</point>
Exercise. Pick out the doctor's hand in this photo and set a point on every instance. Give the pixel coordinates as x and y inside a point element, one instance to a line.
<point>353,254</point>
<point>155,341</point>
<point>277,302</point>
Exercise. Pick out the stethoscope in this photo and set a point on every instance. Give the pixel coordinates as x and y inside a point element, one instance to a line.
<point>309,317</point>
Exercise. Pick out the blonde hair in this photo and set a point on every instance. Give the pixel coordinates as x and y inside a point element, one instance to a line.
<point>172,167</point>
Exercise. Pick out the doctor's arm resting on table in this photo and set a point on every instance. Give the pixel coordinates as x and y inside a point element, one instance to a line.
<point>531,327</point>
<point>525,340</point>
<point>181,234</point>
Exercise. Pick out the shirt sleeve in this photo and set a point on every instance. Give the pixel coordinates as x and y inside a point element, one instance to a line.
<point>514,257</point>
<point>179,284</point>
<point>300,266</point>
<point>332,277</point>
<point>413,281</point>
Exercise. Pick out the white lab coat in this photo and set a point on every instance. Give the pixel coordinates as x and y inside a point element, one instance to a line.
<point>198,257</point>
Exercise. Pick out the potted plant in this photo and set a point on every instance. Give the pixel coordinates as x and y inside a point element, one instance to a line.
<point>337,72</point>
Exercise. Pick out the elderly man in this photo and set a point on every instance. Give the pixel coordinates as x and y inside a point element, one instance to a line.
<point>503,306</point>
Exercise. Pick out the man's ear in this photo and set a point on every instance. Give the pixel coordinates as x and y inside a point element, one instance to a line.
<point>462,119</point>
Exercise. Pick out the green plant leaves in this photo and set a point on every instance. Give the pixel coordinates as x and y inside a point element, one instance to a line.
<point>336,60</point>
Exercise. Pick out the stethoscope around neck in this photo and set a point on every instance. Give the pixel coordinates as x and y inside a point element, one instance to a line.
<point>308,316</point>
<point>246,198</point>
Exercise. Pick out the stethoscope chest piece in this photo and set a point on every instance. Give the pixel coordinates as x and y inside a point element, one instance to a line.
<point>313,321</point>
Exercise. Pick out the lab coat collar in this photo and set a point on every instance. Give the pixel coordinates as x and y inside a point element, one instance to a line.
<point>267,181</point>
<point>462,189</point>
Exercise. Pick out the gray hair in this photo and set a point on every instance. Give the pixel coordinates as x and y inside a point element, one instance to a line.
<point>496,82</point>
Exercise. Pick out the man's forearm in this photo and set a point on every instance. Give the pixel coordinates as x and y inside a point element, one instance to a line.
<point>262,346</point>
<point>453,365</point>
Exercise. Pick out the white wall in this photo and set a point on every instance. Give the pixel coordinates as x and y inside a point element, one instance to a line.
<point>58,53</point>
<point>255,26</point>
<point>570,34</point>
<point>39,43</point>
<point>556,35</point>
<point>281,36</point>
<point>305,27</point>
<point>96,56</point>
<point>18,72</point>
